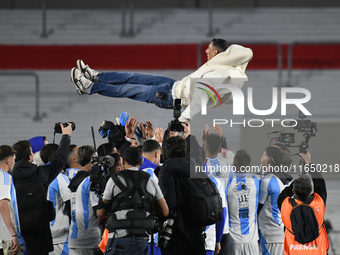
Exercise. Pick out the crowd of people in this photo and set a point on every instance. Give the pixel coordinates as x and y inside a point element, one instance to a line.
<point>138,192</point>
<point>124,196</point>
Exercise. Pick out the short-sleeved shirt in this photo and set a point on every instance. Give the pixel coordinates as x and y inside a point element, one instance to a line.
<point>84,231</point>
<point>270,222</point>
<point>111,190</point>
<point>7,191</point>
<point>242,198</point>
<point>59,193</point>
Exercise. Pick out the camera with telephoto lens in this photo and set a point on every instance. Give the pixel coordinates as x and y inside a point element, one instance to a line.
<point>176,125</point>
<point>100,173</point>
<point>165,236</point>
<point>57,127</point>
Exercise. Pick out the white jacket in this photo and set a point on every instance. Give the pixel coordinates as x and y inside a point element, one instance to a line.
<point>227,67</point>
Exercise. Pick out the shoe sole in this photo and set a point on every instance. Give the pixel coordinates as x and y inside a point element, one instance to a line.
<point>73,70</point>
<point>87,75</point>
<point>79,66</point>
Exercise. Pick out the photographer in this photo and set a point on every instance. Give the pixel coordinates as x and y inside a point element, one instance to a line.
<point>313,193</point>
<point>39,241</point>
<point>84,233</point>
<point>184,240</point>
<point>143,193</point>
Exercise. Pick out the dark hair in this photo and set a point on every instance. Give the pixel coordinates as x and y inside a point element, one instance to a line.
<point>286,157</point>
<point>71,148</point>
<point>275,156</point>
<point>241,159</point>
<point>116,157</point>
<point>213,143</point>
<point>85,154</point>
<point>281,146</point>
<point>220,44</point>
<point>150,146</point>
<point>70,151</point>
<point>132,156</point>
<point>23,149</point>
<point>302,187</point>
<point>175,147</point>
<point>48,151</point>
<point>6,151</point>
<point>105,149</point>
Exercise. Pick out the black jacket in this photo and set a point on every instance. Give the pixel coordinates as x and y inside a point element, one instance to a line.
<point>47,173</point>
<point>40,242</point>
<point>169,178</point>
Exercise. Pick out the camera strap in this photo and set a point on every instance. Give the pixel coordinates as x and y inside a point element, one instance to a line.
<point>110,245</point>
<point>152,242</point>
<point>54,137</point>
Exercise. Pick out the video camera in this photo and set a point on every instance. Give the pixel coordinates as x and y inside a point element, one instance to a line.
<point>100,173</point>
<point>176,125</point>
<point>302,125</point>
<point>308,127</point>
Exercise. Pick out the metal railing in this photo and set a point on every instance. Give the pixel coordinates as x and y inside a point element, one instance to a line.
<point>45,33</point>
<point>37,116</point>
<point>279,55</point>
<point>131,31</point>
<point>211,30</point>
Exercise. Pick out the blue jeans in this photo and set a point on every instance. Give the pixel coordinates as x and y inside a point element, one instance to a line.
<point>128,246</point>
<point>137,86</point>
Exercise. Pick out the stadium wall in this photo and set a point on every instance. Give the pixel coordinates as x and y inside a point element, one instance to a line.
<point>157,57</point>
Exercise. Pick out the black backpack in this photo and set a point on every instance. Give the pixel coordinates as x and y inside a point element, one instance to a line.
<point>201,202</point>
<point>35,211</point>
<point>305,226</point>
<point>133,196</point>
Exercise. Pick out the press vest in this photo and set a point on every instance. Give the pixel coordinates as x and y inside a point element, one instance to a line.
<point>320,245</point>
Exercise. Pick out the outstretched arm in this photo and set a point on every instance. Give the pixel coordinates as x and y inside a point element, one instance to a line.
<point>52,170</point>
<point>318,181</point>
<point>287,192</point>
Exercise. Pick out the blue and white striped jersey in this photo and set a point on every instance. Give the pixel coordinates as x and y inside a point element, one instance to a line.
<point>210,240</point>
<point>242,197</point>
<point>7,191</point>
<point>84,231</point>
<point>150,167</point>
<point>58,192</point>
<point>270,223</point>
<point>71,172</point>
<point>220,169</point>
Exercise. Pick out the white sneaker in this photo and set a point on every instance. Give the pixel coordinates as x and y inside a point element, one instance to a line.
<point>80,82</point>
<point>88,72</point>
